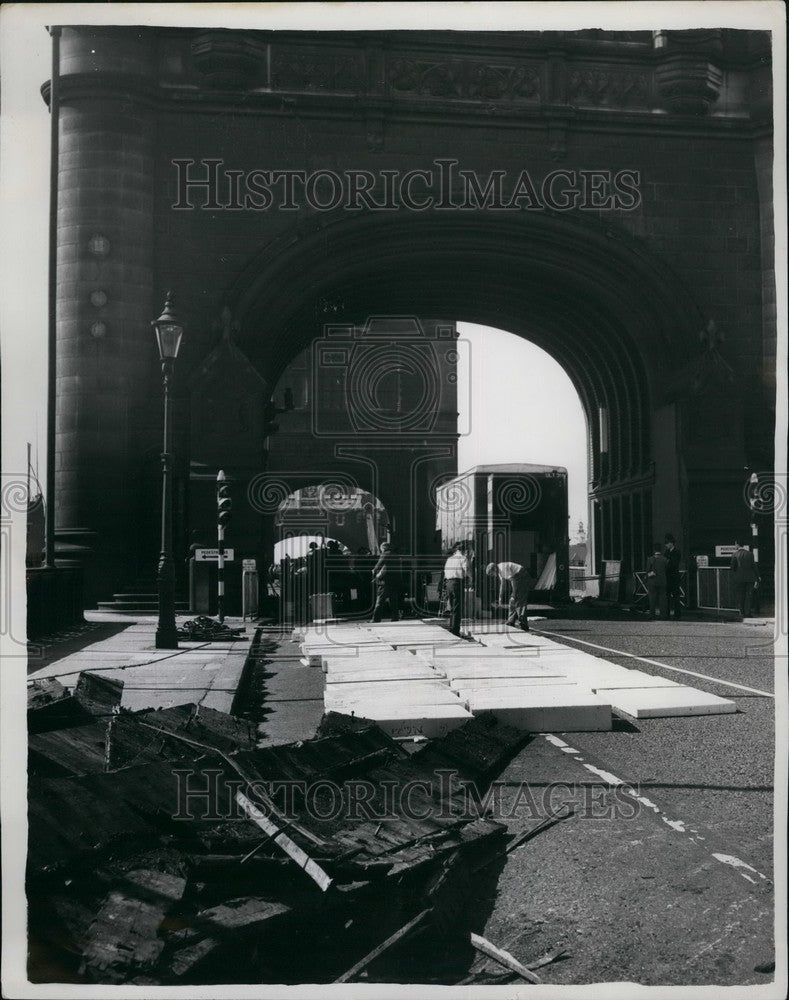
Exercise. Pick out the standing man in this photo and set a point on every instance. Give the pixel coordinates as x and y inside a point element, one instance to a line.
<point>745,573</point>
<point>657,582</point>
<point>456,572</point>
<point>387,584</point>
<point>519,581</point>
<point>673,596</point>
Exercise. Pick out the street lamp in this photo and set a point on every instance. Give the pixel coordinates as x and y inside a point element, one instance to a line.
<point>169,332</point>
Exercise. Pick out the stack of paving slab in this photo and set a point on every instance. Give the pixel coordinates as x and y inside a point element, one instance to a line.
<point>521,688</point>
<point>628,691</point>
<point>371,673</point>
<point>415,678</point>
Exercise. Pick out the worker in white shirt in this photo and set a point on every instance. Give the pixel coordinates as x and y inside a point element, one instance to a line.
<point>518,581</point>
<point>456,572</point>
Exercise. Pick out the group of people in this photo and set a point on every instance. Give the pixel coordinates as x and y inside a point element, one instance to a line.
<point>663,579</point>
<point>325,567</point>
<point>663,582</point>
<point>514,584</point>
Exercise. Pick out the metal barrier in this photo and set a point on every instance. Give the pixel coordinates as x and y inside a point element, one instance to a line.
<point>715,589</point>
<point>640,599</point>
<point>249,592</point>
<point>582,585</point>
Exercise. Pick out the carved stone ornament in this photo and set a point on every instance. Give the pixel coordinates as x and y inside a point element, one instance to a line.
<point>463,79</point>
<point>607,88</point>
<point>229,59</point>
<point>316,69</point>
<point>686,73</point>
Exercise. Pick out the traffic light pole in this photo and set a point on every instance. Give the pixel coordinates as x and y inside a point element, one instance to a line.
<point>166,635</point>
<point>220,574</point>
<point>223,507</point>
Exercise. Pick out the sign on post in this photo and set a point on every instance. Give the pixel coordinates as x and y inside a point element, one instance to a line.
<point>212,555</point>
<point>248,565</point>
<point>721,551</point>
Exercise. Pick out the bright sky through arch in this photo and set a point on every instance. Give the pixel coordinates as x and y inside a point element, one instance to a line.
<point>519,405</point>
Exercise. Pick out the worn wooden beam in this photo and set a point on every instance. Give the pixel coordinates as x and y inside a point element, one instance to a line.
<point>384,946</point>
<point>503,958</point>
<point>282,840</point>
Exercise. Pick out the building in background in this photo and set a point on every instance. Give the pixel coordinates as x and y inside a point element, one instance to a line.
<point>605,194</point>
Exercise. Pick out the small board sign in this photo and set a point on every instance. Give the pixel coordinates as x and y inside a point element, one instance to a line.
<point>249,564</point>
<point>721,551</point>
<point>212,555</point>
<point>702,561</point>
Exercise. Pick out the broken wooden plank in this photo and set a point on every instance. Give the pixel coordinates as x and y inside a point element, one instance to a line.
<point>503,958</point>
<point>554,955</point>
<point>244,913</point>
<point>185,959</point>
<point>43,692</point>
<point>384,946</point>
<point>154,885</point>
<point>562,812</point>
<point>122,940</point>
<point>231,762</point>
<point>302,859</point>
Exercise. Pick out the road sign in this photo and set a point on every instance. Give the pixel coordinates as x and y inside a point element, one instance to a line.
<point>702,560</point>
<point>726,550</point>
<point>212,555</point>
<point>248,564</point>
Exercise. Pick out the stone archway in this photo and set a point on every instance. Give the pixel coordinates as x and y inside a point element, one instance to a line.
<point>619,323</point>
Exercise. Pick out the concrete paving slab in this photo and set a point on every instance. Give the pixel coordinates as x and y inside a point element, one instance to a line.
<point>385,660</point>
<point>377,676</point>
<point>662,703</point>
<point>425,692</point>
<point>508,683</point>
<point>473,651</point>
<point>459,670</point>
<point>204,673</point>
<point>556,708</point>
<point>638,682</point>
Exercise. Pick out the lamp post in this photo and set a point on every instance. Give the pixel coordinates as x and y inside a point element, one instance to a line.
<point>169,332</point>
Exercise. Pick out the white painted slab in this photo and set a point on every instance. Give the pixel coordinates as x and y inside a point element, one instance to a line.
<point>545,709</point>
<point>416,694</point>
<point>509,683</point>
<point>516,639</point>
<point>371,660</point>
<point>637,682</point>
<point>660,703</point>
<point>509,670</point>
<point>384,674</point>
<point>473,651</point>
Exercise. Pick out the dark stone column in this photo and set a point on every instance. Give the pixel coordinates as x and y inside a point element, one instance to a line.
<point>105,276</point>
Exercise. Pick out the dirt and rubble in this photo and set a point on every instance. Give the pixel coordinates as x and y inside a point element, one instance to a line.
<point>133,877</point>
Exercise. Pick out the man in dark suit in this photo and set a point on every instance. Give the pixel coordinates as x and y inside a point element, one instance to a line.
<point>673,594</point>
<point>386,575</point>
<point>745,573</point>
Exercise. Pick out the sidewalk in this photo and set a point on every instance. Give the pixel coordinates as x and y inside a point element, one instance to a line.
<point>202,673</point>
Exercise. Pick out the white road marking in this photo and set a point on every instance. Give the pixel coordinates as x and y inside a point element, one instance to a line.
<point>657,663</point>
<point>735,862</point>
<point>678,825</point>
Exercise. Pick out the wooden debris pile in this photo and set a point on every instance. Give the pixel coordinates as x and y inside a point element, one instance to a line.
<point>162,852</point>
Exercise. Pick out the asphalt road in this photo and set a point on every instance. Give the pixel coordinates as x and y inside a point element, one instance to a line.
<point>673,886</point>
<point>663,874</point>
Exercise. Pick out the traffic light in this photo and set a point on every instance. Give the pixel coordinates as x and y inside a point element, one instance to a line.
<point>224,502</point>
